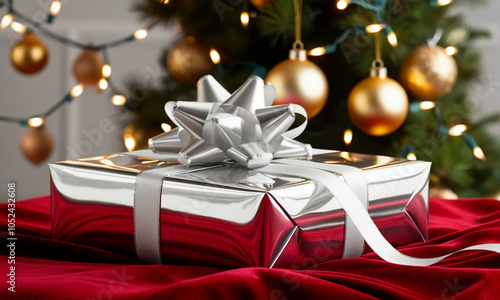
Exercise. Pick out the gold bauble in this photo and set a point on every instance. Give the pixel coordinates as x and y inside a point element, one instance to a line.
<point>261,3</point>
<point>29,55</point>
<point>300,81</point>
<point>428,72</point>
<point>88,67</point>
<point>378,105</point>
<point>36,144</point>
<point>189,60</point>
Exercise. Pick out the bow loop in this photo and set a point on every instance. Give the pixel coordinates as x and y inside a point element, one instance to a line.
<point>242,127</point>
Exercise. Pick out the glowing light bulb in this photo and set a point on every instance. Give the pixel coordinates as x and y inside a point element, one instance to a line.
<point>18,27</point>
<point>348,136</point>
<point>374,28</point>
<point>55,7</point>
<point>411,156</point>
<point>6,20</point>
<point>118,100</point>
<point>342,4</point>
<point>214,55</point>
<point>130,142</point>
<point>393,40</point>
<point>317,51</point>
<point>140,34</point>
<point>35,122</point>
<point>457,130</point>
<point>106,71</point>
<point>166,127</point>
<point>444,2</point>
<point>103,84</point>
<point>478,153</point>
<point>426,105</point>
<point>164,1</point>
<point>245,18</point>
<point>77,90</point>
<point>450,50</point>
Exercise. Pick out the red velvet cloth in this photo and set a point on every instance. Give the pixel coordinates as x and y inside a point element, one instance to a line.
<point>50,269</point>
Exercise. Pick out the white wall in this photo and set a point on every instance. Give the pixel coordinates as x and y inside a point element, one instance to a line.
<point>485,95</point>
<point>21,96</point>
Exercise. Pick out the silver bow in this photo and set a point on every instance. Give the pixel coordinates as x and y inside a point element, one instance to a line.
<point>243,126</point>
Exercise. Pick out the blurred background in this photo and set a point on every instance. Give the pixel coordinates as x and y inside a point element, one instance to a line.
<point>91,124</point>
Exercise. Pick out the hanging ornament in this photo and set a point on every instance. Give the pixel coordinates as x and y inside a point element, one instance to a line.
<point>29,55</point>
<point>88,67</point>
<point>300,81</point>
<point>36,144</point>
<point>428,72</point>
<point>378,105</point>
<point>189,60</point>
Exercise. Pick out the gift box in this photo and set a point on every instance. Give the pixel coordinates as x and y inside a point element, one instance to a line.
<point>230,187</point>
<point>230,216</point>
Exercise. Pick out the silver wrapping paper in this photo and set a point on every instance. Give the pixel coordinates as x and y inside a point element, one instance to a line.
<point>228,216</point>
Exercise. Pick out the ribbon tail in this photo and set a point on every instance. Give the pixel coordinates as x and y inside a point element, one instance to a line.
<point>292,148</point>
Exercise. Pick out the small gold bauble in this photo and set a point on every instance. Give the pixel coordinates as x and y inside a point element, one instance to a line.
<point>88,67</point>
<point>36,144</point>
<point>428,72</point>
<point>378,105</point>
<point>29,55</point>
<point>189,60</point>
<point>300,81</point>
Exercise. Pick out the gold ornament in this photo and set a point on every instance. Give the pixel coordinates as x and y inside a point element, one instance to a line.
<point>261,3</point>
<point>189,60</point>
<point>378,105</point>
<point>29,55</point>
<point>88,67</point>
<point>300,81</point>
<point>428,72</point>
<point>36,144</point>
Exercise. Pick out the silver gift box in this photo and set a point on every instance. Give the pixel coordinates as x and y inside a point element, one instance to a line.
<point>228,216</point>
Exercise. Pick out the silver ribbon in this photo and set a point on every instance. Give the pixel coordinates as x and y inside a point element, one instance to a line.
<point>243,127</point>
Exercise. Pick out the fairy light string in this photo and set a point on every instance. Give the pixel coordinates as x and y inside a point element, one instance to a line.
<point>17,21</point>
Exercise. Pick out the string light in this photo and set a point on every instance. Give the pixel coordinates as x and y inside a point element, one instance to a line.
<point>77,90</point>
<point>245,18</point>
<point>6,20</point>
<point>348,136</point>
<point>450,50</point>
<point>426,105</point>
<point>374,28</point>
<point>140,34</point>
<point>130,142</point>
<point>164,1</point>
<point>457,130</point>
<point>444,2</point>
<point>318,51</point>
<point>55,7</point>
<point>166,127</point>
<point>103,84</point>
<point>106,71</point>
<point>18,27</point>
<point>479,154</point>
<point>342,4</point>
<point>393,40</point>
<point>35,122</point>
<point>214,55</point>
<point>411,156</point>
<point>118,100</point>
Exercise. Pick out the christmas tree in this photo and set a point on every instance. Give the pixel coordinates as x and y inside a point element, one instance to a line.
<point>233,39</point>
